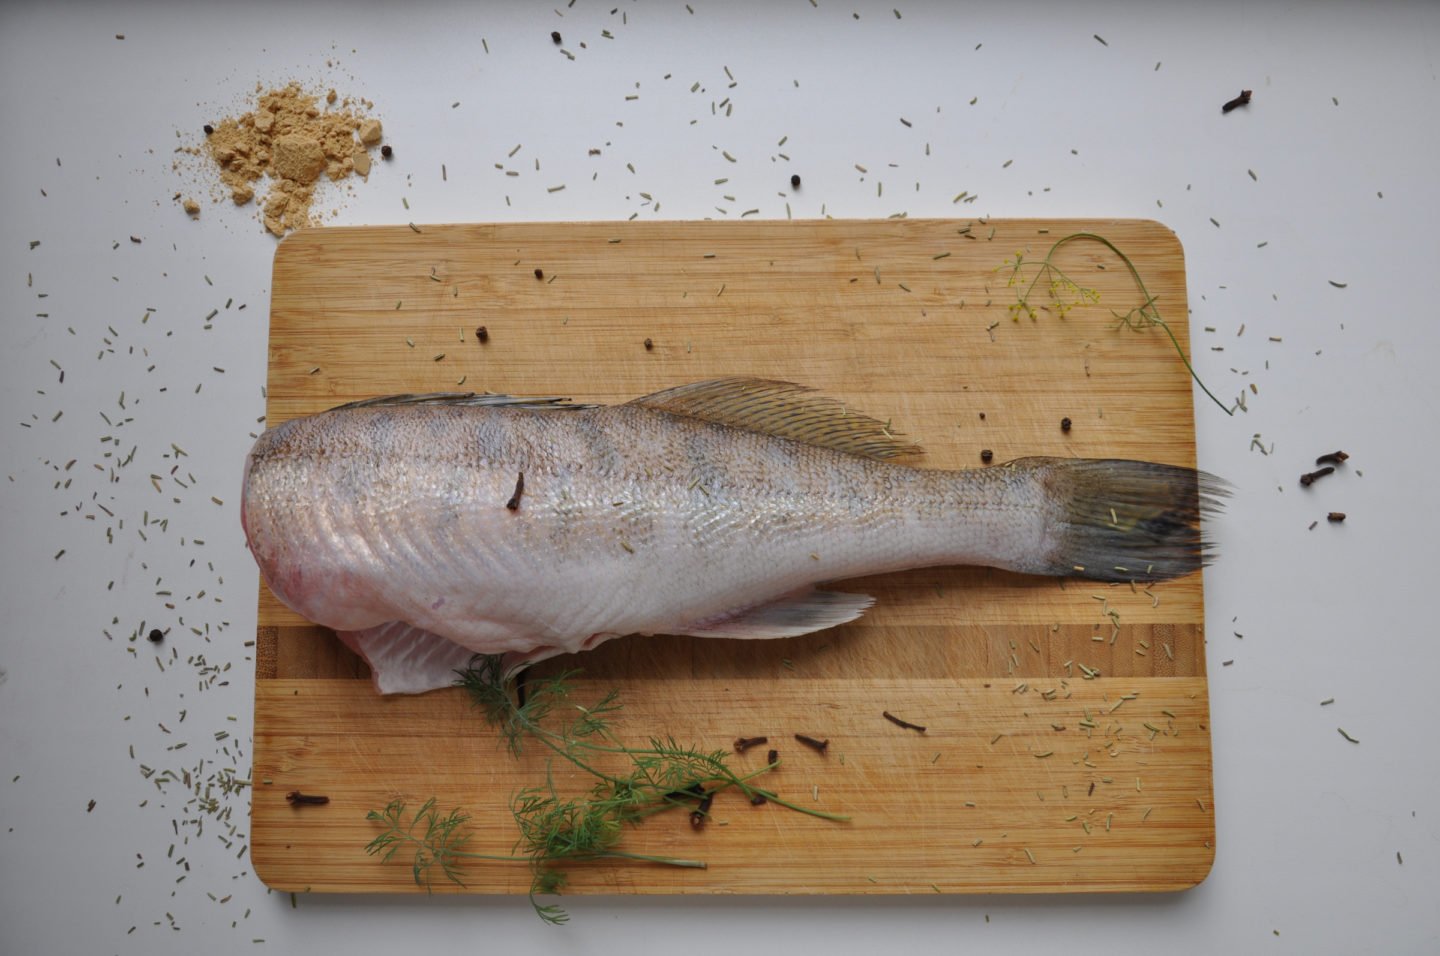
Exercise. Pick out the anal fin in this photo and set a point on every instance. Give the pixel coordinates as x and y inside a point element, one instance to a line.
<point>799,612</point>
<point>407,660</point>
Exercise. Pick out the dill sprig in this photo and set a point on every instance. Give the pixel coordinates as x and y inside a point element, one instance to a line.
<point>435,840</point>
<point>558,829</point>
<point>1066,293</point>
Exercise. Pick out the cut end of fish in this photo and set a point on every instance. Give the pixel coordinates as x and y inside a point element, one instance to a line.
<point>1123,520</point>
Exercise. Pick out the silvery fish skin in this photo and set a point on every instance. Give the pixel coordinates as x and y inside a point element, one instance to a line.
<point>712,509</point>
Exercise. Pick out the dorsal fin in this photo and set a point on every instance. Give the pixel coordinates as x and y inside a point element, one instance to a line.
<point>785,410</point>
<point>462,398</point>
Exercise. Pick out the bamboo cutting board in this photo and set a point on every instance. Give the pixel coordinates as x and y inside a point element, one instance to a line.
<point>1067,743</point>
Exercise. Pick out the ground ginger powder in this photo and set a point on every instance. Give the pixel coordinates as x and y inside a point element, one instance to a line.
<point>291,140</point>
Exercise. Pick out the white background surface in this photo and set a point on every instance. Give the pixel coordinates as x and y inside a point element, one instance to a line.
<point>1309,825</point>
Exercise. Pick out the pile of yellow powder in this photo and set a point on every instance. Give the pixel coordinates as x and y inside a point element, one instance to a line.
<point>292,139</point>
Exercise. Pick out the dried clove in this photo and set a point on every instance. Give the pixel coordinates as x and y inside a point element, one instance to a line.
<point>986,455</point>
<point>1336,516</point>
<point>514,503</point>
<point>772,757</point>
<point>901,723</point>
<point>1242,100</point>
<point>1065,424</point>
<point>1334,458</point>
<point>694,791</point>
<point>743,744</point>
<point>812,743</point>
<point>701,813</point>
<point>482,334</point>
<point>1309,478</point>
<point>298,799</point>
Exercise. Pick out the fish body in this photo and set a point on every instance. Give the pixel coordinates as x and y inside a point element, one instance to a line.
<point>427,529</point>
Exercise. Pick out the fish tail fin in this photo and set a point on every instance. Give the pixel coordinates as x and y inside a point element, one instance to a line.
<point>1119,520</point>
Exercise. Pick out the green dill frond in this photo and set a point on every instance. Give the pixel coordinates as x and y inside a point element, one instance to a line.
<point>550,912</point>
<point>594,720</point>
<point>436,841</point>
<point>555,829</point>
<point>1066,293</point>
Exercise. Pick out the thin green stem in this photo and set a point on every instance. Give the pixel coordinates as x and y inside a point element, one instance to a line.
<point>1149,312</point>
<point>647,858</point>
<point>808,811</point>
<point>467,854</point>
<point>1188,367</point>
<point>774,798</point>
<point>481,856</point>
<point>545,737</point>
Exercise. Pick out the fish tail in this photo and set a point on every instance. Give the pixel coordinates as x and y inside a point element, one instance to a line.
<point>1118,520</point>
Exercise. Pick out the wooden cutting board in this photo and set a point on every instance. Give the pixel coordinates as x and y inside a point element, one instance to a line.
<point>1067,743</point>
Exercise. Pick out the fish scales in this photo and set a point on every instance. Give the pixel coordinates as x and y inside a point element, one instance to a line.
<point>419,494</point>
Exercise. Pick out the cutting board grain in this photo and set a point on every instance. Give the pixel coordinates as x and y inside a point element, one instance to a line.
<point>1067,743</point>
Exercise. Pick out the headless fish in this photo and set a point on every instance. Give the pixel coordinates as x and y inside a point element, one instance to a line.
<point>427,529</point>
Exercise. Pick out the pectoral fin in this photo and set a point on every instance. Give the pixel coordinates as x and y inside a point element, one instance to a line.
<point>407,660</point>
<point>794,614</point>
